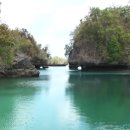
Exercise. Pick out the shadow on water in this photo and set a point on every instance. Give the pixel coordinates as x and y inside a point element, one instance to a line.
<point>103,100</point>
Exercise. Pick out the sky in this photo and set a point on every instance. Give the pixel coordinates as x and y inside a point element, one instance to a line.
<point>50,21</point>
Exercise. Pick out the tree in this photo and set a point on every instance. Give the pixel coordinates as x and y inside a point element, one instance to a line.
<point>19,41</point>
<point>108,31</point>
<point>57,60</point>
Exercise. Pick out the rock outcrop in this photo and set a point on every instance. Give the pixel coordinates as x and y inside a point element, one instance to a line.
<point>89,59</point>
<point>101,41</point>
<point>21,67</point>
<point>37,62</point>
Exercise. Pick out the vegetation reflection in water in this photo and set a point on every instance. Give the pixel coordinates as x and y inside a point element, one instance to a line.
<point>65,100</point>
<point>103,99</point>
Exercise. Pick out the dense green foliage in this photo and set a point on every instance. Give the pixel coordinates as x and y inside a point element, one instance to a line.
<point>57,60</point>
<point>18,41</point>
<point>109,30</point>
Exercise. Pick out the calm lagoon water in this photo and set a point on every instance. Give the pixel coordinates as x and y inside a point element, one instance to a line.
<point>66,100</point>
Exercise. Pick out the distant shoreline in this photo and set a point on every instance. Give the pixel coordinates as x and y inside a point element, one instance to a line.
<point>57,64</point>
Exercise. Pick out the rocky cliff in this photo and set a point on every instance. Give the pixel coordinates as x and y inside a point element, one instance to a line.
<point>89,59</point>
<point>21,67</point>
<point>101,40</point>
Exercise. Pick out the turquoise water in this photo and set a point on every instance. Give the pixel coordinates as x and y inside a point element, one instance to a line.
<point>66,100</point>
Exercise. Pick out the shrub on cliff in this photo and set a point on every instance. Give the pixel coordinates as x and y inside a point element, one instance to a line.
<point>7,45</point>
<point>108,30</point>
<point>18,41</point>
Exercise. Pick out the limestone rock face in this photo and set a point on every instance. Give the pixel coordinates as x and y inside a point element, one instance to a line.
<point>84,55</point>
<point>89,59</point>
<point>21,67</point>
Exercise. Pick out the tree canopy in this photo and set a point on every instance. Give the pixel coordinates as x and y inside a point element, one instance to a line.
<point>19,41</point>
<point>109,30</point>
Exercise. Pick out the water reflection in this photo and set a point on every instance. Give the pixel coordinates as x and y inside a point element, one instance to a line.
<point>18,99</point>
<point>102,100</point>
<point>63,100</point>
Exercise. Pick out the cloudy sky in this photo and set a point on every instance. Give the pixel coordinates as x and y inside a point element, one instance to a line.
<point>50,21</point>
